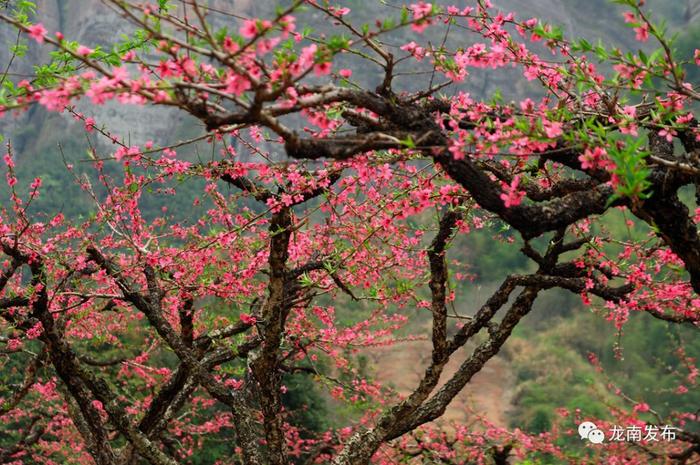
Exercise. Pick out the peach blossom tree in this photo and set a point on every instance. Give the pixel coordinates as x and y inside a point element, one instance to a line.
<point>145,340</point>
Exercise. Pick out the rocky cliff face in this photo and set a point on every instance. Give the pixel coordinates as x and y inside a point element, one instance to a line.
<point>93,23</point>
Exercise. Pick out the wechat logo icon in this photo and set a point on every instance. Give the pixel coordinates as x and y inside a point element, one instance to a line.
<point>588,430</point>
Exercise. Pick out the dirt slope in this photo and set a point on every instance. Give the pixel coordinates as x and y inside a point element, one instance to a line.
<point>488,394</point>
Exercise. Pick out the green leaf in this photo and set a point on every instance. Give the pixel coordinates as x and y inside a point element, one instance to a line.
<point>408,142</point>
<point>600,51</point>
<point>405,18</point>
